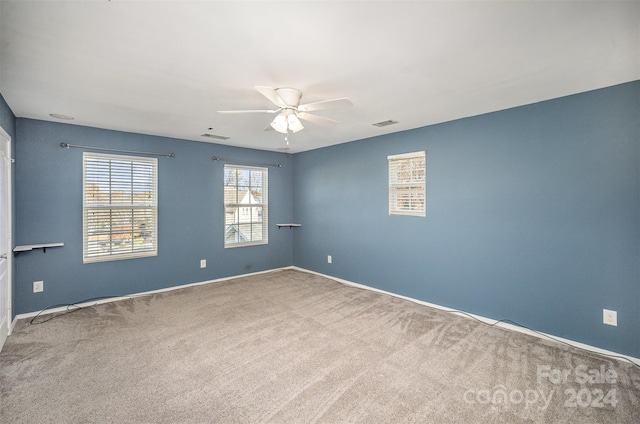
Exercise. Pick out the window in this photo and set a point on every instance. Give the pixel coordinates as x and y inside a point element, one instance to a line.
<point>407,184</point>
<point>245,206</point>
<point>120,207</point>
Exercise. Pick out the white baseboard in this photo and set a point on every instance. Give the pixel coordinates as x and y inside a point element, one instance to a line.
<point>507,326</point>
<point>538,334</point>
<point>4,332</point>
<point>129,296</point>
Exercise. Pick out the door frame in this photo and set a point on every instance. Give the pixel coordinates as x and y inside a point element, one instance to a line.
<point>5,138</point>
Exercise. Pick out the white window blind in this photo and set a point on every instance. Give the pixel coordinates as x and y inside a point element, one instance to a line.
<point>245,206</point>
<point>120,207</point>
<point>407,184</point>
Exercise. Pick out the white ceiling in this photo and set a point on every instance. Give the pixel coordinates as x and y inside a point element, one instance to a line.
<point>165,68</point>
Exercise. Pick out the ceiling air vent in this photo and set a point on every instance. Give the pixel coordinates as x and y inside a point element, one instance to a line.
<point>217,137</point>
<point>385,123</point>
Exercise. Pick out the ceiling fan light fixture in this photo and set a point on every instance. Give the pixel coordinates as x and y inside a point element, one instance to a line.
<point>289,110</point>
<point>280,124</point>
<point>294,123</point>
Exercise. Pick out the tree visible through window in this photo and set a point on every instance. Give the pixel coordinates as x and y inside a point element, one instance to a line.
<point>120,205</point>
<point>245,206</point>
<point>407,184</point>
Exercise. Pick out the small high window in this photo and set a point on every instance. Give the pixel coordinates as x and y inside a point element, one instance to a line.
<point>407,184</point>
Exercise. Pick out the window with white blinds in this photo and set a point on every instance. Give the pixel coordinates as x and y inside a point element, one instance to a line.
<point>407,184</point>
<point>120,207</point>
<point>245,206</point>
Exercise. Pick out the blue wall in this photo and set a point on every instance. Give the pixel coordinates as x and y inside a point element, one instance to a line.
<point>190,213</point>
<point>533,214</point>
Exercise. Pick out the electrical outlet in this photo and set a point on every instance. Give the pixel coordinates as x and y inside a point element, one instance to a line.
<point>203,263</point>
<point>38,286</point>
<point>610,317</point>
<point>329,260</point>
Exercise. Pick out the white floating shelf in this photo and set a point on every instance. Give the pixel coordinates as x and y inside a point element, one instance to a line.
<point>288,225</point>
<point>30,247</point>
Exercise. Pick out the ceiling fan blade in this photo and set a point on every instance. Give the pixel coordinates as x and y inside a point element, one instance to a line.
<point>271,94</point>
<point>315,118</point>
<point>249,111</point>
<point>269,128</point>
<point>326,104</point>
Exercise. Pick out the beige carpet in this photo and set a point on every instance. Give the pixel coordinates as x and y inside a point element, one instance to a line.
<point>293,347</point>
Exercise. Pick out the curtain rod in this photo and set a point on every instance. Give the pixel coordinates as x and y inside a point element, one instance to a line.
<point>67,145</point>
<point>217,158</point>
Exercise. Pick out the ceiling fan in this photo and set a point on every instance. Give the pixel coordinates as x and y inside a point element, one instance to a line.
<point>290,111</point>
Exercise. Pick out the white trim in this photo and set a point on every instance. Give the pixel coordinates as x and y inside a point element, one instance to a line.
<point>240,205</point>
<point>10,233</point>
<point>5,327</point>
<point>92,166</point>
<point>412,190</point>
<point>141,294</point>
<point>4,136</point>
<point>419,154</point>
<point>247,243</point>
<point>538,334</point>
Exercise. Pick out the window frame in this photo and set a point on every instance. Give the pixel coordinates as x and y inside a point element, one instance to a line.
<point>116,204</point>
<point>415,187</point>
<point>263,205</point>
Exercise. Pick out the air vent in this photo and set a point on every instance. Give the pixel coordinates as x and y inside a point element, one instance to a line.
<point>60,116</point>
<point>217,137</point>
<point>385,123</point>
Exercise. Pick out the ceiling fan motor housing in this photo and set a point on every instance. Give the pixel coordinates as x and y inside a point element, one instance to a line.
<point>290,96</point>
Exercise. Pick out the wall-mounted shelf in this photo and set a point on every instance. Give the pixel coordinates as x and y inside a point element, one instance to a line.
<point>288,225</point>
<point>30,247</point>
